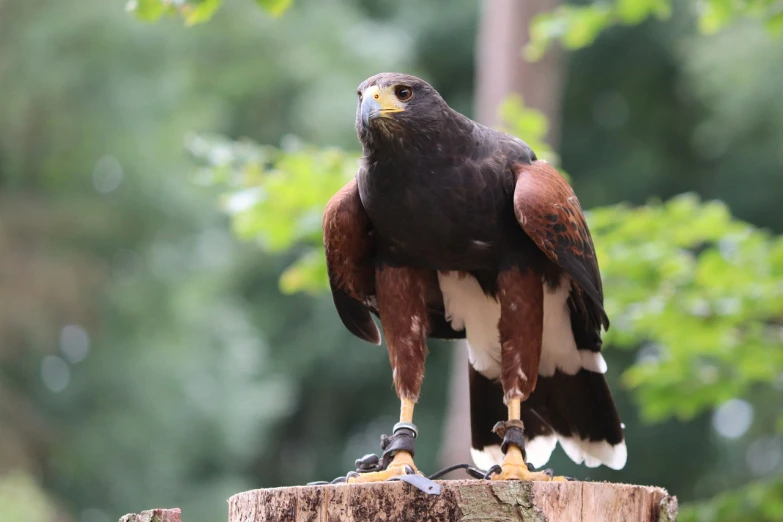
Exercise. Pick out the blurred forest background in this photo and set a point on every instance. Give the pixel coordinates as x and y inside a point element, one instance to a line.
<point>165,339</point>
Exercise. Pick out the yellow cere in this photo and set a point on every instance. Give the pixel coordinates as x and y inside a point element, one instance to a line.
<point>386,99</point>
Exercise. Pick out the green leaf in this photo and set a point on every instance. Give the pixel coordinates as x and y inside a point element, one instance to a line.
<point>148,10</point>
<point>575,26</point>
<point>544,29</point>
<point>307,274</point>
<point>200,11</point>
<point>193,11</point>
<point>775,24</point>
<point>585,25</point>
<point>716,14</point>
<point>579,26</point>
<point>528,124</point>
<point>275,7</point>
<point>636,11</point>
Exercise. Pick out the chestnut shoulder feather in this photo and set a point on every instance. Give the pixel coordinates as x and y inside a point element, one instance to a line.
<point>350,251</point>
<point>550,214</point>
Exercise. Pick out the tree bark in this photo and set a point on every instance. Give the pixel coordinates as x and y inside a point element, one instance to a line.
<point>501,70</point>
<point>463,500</point>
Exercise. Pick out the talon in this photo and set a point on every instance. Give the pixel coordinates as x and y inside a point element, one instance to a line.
<point>367,462</point>
<point>514,467</point>
<point>402,464</point>
<point>494,470</point>
<point>399,447</point>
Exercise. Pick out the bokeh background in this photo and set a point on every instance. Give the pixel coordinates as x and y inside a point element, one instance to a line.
<point>165,334</point>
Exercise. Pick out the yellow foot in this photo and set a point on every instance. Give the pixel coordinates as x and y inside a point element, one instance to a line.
<point>515,468</point>
<point>401,464</point>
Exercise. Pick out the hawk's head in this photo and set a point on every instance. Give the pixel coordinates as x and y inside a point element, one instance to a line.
<point>394,106</point>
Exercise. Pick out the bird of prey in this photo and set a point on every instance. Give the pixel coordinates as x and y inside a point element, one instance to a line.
<point>454,230</point>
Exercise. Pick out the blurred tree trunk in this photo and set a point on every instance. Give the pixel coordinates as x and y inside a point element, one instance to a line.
<point>501,70</point>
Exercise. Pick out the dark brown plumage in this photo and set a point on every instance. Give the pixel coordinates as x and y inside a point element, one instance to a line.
<point>451,229</point>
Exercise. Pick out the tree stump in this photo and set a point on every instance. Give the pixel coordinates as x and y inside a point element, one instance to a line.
<point>460,500</point>
<point>154,515</point>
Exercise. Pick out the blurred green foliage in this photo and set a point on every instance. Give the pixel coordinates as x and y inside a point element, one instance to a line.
<point>577,26</point>
<point>518,120</point>
<point>277,197</point>
<point>703,291</point>
<point>757,503</point>
<point>193,11</point>
<point>21,498</point>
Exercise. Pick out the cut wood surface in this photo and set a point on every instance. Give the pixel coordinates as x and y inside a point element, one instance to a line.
<point>154,515</point>
<point>460,500</point>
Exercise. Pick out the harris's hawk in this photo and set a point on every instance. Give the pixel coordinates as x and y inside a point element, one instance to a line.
<point>454,230</point>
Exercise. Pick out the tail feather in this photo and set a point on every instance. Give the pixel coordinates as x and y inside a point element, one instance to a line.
<point>575,410</point>
<point>486,409</point>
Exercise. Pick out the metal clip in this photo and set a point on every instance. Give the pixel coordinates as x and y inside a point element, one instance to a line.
<point>421,483</point>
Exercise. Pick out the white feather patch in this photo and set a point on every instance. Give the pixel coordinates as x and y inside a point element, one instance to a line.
<point>559,347</point>
<point>487,457</point>
<point>595,453</point>
<point>469,308</point>
<point>593,361</point>
<point>540,449</point>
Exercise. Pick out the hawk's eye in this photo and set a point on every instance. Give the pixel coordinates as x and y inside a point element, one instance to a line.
<point>403,93</point>
<point>359,94</point>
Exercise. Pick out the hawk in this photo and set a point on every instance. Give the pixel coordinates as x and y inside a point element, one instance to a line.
<point>453,230</point>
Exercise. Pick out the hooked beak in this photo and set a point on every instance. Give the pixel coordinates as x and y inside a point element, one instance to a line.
<point>379,103</point>
<point>371,109</point>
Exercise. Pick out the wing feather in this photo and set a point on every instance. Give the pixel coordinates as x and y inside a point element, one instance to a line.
<point>350,264</point>
<point>350,246</point>
<point>549,212</point>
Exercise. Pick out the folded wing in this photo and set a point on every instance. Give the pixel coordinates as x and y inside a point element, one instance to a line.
<point>549,212</point>
<point>350,262</point>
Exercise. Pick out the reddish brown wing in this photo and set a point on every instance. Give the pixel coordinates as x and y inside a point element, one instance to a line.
<point>350,251</point>
<point>549,212</point>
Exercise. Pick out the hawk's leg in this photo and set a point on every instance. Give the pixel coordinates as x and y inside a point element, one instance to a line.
<point>514,466</point>
<point>401,460</point>
<point>521,297</point>
<point>404,317</point>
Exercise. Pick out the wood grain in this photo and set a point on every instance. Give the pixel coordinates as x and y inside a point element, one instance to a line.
<point>154,515</point>
<point>463,500</point>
